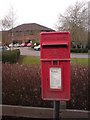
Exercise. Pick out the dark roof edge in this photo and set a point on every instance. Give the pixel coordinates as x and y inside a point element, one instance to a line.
<point>32,23</point>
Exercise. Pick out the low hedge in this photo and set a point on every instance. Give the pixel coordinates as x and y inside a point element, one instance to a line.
<point>10,56</point>
<point>79,50</point>
<point>22,86</point>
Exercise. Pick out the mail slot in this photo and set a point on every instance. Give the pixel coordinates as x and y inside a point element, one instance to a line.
<point>55,65</point>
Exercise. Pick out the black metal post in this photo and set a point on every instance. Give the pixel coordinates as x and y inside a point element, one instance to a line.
<point>56,110</point>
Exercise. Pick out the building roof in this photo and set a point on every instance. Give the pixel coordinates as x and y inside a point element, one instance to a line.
<point>32,26</point>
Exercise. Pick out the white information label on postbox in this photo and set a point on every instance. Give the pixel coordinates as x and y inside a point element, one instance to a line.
<point>55,78</point>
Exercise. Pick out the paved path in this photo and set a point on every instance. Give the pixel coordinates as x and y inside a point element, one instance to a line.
<point>30,51</point>
<point>78,55</point>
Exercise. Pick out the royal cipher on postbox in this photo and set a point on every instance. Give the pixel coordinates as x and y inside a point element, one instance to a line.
<point>55,65</point>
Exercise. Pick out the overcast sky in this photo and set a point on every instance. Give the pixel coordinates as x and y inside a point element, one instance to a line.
<point>44,12</point>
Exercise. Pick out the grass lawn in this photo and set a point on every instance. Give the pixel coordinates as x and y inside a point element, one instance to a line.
<point>82,61</point>
<point>35,60</point>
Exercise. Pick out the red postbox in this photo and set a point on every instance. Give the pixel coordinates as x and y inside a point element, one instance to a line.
<point>55,65</point>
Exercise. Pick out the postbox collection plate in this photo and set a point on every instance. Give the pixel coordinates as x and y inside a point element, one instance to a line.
<point>55,78</point>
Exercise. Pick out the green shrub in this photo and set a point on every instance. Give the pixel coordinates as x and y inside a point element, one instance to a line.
<point>79,50</point>
<point>10,56</point>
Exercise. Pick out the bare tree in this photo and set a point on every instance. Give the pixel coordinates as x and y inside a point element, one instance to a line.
<point>89,24</point>
<point>12,20</point>
<point>89,16</point>
<point>8,23</point>
<point>75,21</point>
<point>4,24</point>
<point>9,20</point>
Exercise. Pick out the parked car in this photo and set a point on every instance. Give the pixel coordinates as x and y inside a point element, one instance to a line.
<point>37,47</point>
<point>4,48</point>
<point>16,45</point>
<point>29,45</point>
<point>11,45</point>
<point>23,45</point>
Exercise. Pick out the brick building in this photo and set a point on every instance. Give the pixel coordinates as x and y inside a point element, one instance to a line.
<point>25,32</point>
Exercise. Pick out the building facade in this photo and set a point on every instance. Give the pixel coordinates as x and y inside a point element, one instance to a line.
<point>25,32</point>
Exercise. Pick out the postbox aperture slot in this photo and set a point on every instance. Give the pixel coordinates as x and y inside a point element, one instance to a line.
<point>55,44</point>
